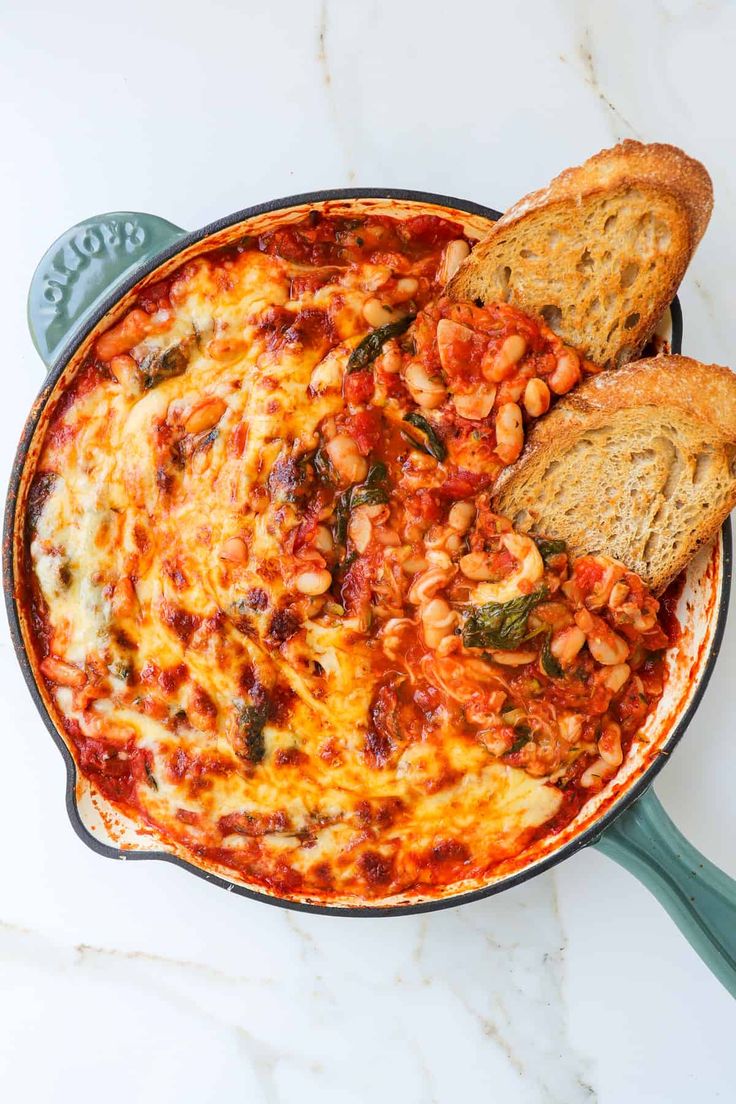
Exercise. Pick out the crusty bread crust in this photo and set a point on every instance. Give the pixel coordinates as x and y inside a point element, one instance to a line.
<point>657,165</point>
<point>707,392</point>
<point>639,463</point>
<point>601,251</point>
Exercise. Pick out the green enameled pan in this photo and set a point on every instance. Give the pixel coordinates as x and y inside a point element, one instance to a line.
<point>84,281</point>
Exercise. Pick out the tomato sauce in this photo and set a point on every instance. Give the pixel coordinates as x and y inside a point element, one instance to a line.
<point>478,645</point>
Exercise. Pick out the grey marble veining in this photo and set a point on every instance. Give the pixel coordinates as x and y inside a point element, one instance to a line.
<point>572,988</point>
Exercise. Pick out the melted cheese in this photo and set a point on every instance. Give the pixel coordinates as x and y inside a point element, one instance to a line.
<point>135,499</point>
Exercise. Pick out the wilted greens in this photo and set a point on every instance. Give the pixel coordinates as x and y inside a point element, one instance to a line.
<point>368,493</point>
<point>251,720</point>
<point>525,735</point>
<point>372,344</point>
<point>501,625</point>
<point>162,365</point>
<point>426,438</point>
<point>549,548</point>
<point>550,665</point>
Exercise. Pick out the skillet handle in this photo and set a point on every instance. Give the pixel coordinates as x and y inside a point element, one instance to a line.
<point>83,265</point>
<point>699,897</point>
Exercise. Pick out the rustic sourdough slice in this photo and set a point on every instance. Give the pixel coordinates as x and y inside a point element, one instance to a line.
<point>639,463</point>
<point>599,253</point>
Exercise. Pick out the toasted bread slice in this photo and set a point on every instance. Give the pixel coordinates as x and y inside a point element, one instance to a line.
<point>599,253</point>
<point>639,463</point>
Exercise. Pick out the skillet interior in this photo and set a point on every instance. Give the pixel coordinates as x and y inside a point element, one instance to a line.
<point>701,611</point>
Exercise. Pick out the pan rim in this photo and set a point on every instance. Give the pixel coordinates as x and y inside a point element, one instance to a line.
<point>582,839</point>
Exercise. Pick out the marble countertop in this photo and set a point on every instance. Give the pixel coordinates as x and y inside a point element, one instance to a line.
<point>574,987</point>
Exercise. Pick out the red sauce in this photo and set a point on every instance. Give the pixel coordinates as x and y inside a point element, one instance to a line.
<point>321,240</point>
<point>668,609</point>
<point>116,769</point>
<point>458,342</point>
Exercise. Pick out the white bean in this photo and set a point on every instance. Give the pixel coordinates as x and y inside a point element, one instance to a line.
<point>455,253</point>
<point>346,458</point>
<point>501,365</point>
<point>509,433</point>
<point>313,582</point>
<point>536,398</point>
<point>377,314</point>
<point>461,516</point>
<point>428,391</point>
<point>475,406</point>
<point>438,621</point>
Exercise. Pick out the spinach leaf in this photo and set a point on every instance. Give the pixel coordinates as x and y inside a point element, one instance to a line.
<point>377,473</point>
<point>525,735</point>
<point>368,496</point>
<point>372,344</point>
<point>501,625</point>
<point>323,466</point>
<point>251,720</point>
<point>162,365</point>
<point>550,665</point>
<point>428,440</point>
<point>341,516</point>
<point>549,548</point>
<point>368,493</point>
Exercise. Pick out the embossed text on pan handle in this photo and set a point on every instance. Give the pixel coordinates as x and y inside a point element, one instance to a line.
<point>83,266</point>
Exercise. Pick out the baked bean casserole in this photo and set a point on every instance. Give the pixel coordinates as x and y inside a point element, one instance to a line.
<point>278,619</point>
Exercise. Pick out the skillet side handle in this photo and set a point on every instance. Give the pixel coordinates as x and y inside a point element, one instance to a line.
<point>83,265</point>
<point>699,897</point>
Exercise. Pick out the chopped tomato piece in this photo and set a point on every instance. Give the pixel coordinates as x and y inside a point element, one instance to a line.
<point>356,587</point>
<point>359,387</point>
<point>587,573</point>
<point>365,429</point>
<point>431,230</point>
<point>461,483</point>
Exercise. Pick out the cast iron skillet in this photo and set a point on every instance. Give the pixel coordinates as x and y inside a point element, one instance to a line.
<point>80,279</point>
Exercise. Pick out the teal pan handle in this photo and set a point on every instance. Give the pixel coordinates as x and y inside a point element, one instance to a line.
<point>699,897</point>
<point>83,266</point>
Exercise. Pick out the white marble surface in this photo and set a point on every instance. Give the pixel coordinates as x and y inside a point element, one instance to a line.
<point>575,987</point>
